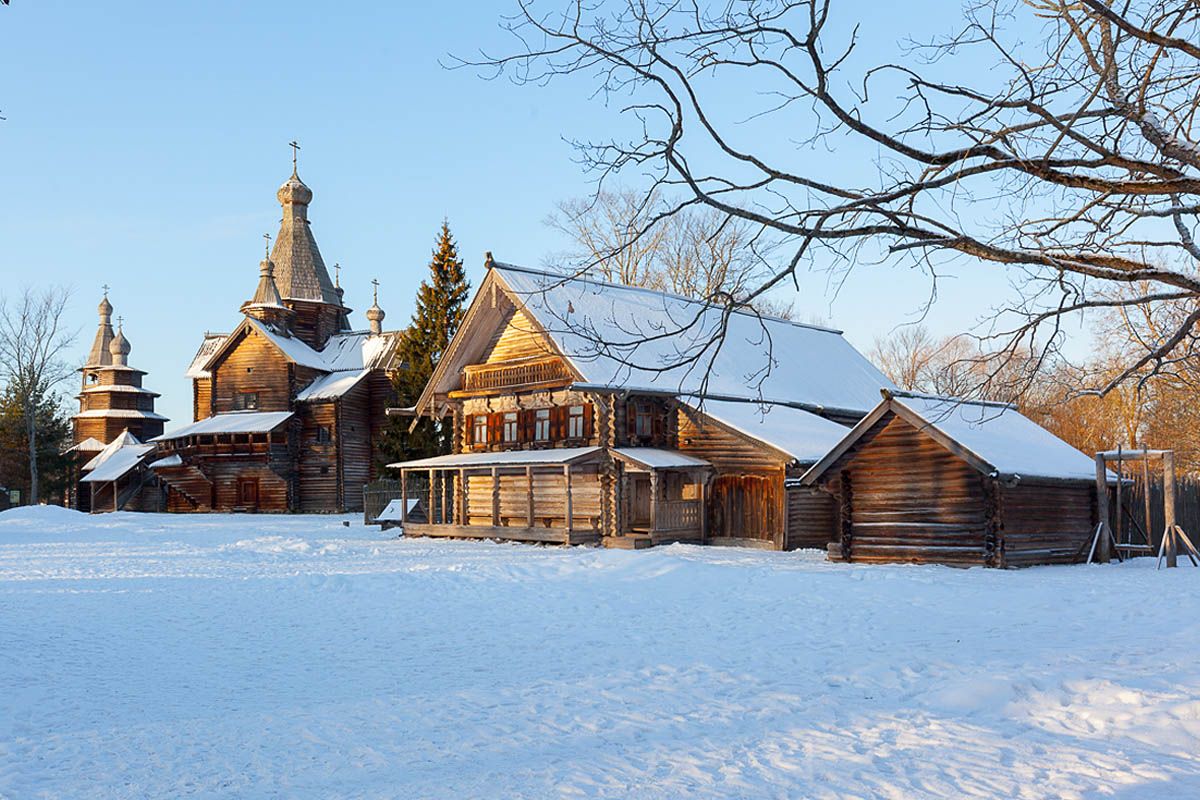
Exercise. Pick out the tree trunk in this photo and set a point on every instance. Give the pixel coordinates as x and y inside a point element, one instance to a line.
<point>31,432</point>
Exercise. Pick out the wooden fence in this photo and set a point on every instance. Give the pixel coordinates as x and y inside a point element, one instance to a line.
<point>1134,510</point>
<point>377,494</point>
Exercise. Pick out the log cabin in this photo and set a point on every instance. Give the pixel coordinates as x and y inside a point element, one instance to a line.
<point>930,479</point>
<point>114,407</point>
<point>288,406</point>
<point>573,423</point>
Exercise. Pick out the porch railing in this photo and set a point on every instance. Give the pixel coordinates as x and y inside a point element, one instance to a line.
<point>514,373</point>
<point>677,515</point>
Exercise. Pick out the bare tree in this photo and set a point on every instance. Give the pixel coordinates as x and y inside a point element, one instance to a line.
<point>1072,162</point>
<point>626,237</point>
<point>33,342</point>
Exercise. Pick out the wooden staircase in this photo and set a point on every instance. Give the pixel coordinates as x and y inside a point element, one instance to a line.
<point>189,482</point>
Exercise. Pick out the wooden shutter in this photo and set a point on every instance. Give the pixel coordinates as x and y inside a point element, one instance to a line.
<point>587,420</point>
<point>631,411</point>
<point>558,422</point>
<point>656,427</point>
<point>525,425</point>
<point>495,432</point>
<point>469,435</point>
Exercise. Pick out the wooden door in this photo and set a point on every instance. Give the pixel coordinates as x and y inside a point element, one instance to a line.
<point>248,493</point>
<point>641,501</point>
<point>743,507</point>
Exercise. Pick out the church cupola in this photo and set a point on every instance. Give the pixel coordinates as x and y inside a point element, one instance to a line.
<point>375,314</point>
<point>300,276</point>
<point>99,355</point>
<point>119,348</point>
<point>267,305</point>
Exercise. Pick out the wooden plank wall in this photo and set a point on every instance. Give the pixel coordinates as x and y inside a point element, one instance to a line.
<point>354,444</point>
<point>201,399</point>
<point>913,500</point>
<point>812,518</point>
<point>725,450</point>
<point>252,365</point>
<point>518,337</point>
<point>1047,523</point>
<point>317,468</point>
<point>549,499</point>
<point>225,473</point>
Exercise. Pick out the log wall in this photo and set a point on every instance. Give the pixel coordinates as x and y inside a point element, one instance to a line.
<point>252,365</point>
<point>1047,523</point>
<point>549,499</point>
<point>317,468</point>
<point>913,500</point>
<point>811,518</point>
<point>517,338</point>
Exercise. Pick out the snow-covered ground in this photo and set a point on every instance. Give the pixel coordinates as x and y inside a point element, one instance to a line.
<point>212,656</point>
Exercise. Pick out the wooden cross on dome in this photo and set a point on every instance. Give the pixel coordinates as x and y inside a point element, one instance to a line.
<point>105,287</point>
<point>375,283</point>
<point>120,323</point>
<point>267,237</point>
<point>295,148</point>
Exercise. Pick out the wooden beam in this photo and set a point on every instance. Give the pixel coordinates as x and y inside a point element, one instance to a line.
<point>431,510</point>
<point>570,508</point>
<point>704,509</point>
<point>403,497</point>
<point>653,500</point>
<point>1169,507</point>
<point>529,496</point>
<point>463,518</point>
<point>495,498</point>
<point>1104,542</point>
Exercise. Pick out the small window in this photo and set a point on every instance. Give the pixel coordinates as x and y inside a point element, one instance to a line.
<point>246,401</point>
<point>93,377</point>
<point>643,421</point>
<point>480,435</point>
<point>541,425</point>
<point>324,435</point>
<point>510,427</point>
<point>575,422</point>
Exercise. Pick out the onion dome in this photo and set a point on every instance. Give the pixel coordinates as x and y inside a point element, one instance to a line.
<point>120,348</point>
<point>105,308</point>
<point>375,314</point>
<point>294,192</point>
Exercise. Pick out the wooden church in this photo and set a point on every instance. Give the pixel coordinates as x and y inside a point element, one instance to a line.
<point>575,422</point>
<point>288,406</point>
<point>115,409</point>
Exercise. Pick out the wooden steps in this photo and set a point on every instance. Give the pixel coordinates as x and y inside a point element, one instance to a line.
<point>189,482</point>
<point>630,541</point>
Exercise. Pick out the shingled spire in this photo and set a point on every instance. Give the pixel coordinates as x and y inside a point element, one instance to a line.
<point>300,271</point>
<point>99,356</point>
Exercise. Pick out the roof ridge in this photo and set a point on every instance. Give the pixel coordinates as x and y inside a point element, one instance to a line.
<point>647,290</point>
<point>901,393</point>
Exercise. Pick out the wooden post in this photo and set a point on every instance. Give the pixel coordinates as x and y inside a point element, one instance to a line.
<point>403,497</point>
<point>653,500</point>
<point>445,508</point>
<point>1103,541</point>
<point>704,509</point>
<point>495,497</point>
<point>1168,462</point>
<point>92,494</point>
<point>117,507</point>
<point>432,509</point>
<point>463,501</point>
<point>570,508</point>
<point>529,495</point>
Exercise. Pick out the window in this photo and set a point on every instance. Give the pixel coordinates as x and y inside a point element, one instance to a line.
<point>510,427</point>
<point>246,401</point>
<point>575,422</point>
<point>324,435</point>
<point>541,425</point>
<point>643,421</point>
<point>480,435</point>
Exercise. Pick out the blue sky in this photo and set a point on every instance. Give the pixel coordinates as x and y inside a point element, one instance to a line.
<point>144,142</point>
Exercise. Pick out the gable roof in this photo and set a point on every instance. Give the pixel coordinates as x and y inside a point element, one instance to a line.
<point>350,350</point>
<point>119,463</point>
<point>994,438</point>
<point>802,435</point>
<point>125,439</point>
<point>211,344</point>
<point>615,336</point>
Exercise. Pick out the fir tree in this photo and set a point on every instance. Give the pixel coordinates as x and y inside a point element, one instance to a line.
<point>441,304</point>
<point>53,425</point>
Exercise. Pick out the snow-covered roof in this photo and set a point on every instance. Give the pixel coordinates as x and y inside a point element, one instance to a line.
<point>88,445</point>
<point>801,434</point>
<point>994,437</point>
<point>391,512</point>
<point>231,422</point>
<point>808,364</point>
<point>351,350</point>
<point>173,460</point>
<point>117,388</point>
<point>118,457</point>
<point>331,386</point>
<point>118,413</point>
<point>505,458</point>
<point>655,458</point>
<point>211,344</point>
<point>125,439</point>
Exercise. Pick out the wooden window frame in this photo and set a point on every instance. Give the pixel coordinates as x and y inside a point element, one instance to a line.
<point>479,430</point>
<point>542,425</point>
<point>576,423</point>
<point>510,432</point>
<point>246,401</point>
<point>324,434</point>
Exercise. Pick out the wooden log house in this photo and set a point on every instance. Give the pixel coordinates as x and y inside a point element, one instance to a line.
<point>940,480</point>
<point>287,408</point>
<point>560,436</point>
<point>114,407</point>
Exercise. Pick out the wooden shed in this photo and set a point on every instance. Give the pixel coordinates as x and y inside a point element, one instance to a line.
<point>942,480</point>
